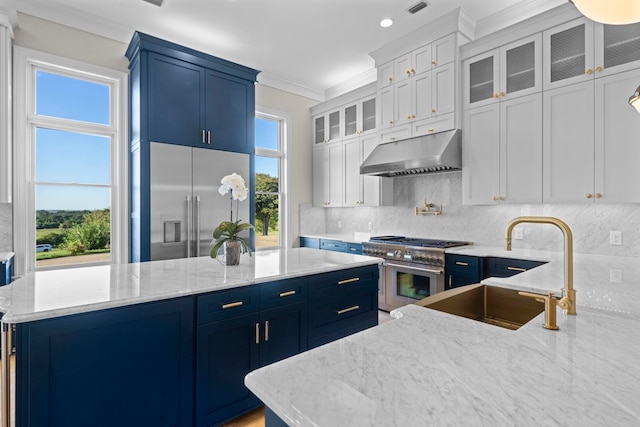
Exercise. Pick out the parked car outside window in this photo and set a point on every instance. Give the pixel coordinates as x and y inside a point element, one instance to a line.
<point>43,248</point>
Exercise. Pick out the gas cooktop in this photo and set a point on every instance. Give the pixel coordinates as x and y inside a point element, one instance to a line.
<point>416,241</point>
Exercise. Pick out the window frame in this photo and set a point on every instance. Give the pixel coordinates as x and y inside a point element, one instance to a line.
<point>283,175</point>
<point>26,62</point>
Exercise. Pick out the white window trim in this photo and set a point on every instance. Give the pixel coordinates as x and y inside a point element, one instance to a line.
<point>23,195</point>
<point>284,171</point>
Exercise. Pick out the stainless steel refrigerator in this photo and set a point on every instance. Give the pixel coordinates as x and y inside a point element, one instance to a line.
<point>185,204</point>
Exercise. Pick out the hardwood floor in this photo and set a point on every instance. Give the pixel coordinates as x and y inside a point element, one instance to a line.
<point>254,418</point>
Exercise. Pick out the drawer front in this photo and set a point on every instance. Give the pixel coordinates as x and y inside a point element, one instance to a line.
<point>354,248</point>
<point>333,245</point>
<point>462,263</point>
<point>343,281</point>
<point>283,292</point>
<point>309,242</point>
<point>505,267</point>
<point>331,314</point>
<point>226,304</point>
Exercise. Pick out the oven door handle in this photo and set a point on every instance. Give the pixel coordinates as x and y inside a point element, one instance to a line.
<point>424,270</point>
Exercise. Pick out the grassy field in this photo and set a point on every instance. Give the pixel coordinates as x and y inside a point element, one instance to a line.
<point>59,253</point>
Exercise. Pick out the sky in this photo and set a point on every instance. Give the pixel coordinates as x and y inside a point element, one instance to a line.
<point>69,157</point>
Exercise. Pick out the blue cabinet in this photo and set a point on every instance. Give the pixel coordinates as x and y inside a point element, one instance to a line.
<point>462,270</point>
<point>309,242</point>
<point>130,366</point>
<point>331,245</point>
<point>240,330</point>
<point>181,96</point>
<point>507,267</point>
<point>6,269</point>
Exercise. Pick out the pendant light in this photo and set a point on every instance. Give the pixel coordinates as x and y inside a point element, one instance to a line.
<point>634,101</point>
<point>614,12</point>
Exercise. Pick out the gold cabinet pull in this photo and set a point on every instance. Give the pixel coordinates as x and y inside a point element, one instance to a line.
<point>344,282</point>
<point>589,196</point>
<point>496,198</point>
<point>203,136</point>
<point>409,117</point>
<point>232,304</point>
<point>502,198</point>
<point>408,72</point>
<point>431,130</point>
<point>502,94</point>
<point>390,79</point>
<point>598,69</point>
<point>413,71</point>
<point>257,333</point>
<point>464,264</point>
<point>450,280</point>
<point>287,294</point>
<point>495,96</point>
<point>346,310</point>
<point>516,269</point>
<point>598,195</point>
<point>589,71</point>
<point>266,330</point>
<point>209,137</point>
<point>434,62</point>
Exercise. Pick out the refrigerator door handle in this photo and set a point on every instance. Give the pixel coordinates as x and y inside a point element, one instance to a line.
<point>197,220</point>
<point>189,225</point>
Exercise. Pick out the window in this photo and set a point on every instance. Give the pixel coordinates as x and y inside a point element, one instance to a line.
<point>71,161</point>
<point>269,167</point>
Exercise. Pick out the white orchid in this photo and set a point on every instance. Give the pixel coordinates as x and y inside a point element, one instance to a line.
<point>229,230</point>
<point>235,183</point>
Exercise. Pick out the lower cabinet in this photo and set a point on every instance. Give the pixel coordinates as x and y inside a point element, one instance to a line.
<point>463,270</point>
<point>331,245</point>
<point>506,267</point>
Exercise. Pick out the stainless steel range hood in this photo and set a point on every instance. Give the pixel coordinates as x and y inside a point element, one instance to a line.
<point>438,152</point>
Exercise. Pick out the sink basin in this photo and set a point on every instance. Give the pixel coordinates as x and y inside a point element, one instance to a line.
<point>488,304</point>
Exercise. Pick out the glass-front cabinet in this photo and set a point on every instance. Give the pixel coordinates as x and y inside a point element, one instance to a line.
<point>326,127</point>
<point>507,72</point>
<point>360,117</point>
<point>582,50</point>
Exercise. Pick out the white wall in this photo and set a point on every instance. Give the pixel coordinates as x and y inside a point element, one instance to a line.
<point>590,223</point>
<point>46,36</point>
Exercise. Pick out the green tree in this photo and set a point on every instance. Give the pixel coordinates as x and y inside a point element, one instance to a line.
<point>266,204</point>
<point>93,233</point>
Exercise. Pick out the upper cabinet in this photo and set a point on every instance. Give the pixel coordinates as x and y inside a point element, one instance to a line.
<point>504,73</point>
<point>582,50</point>
<point>360,117</point>
<point>327,126</point>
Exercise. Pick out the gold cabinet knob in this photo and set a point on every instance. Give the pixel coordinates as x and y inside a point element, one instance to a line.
<point>434,62</point>
<point>589,71</point>
<point>502,94</point>
<point>413,71</point>
<point>589,196</point>
<point>408,72</point>
<point>496,198</point>
<point>495,96</point>
<point>503,198</point>
<point>433,110</point>
<point>598,195</point>
<point>390,79</point>
<point>598,69</point>
<point>391,122</point>
<point>409,117</point>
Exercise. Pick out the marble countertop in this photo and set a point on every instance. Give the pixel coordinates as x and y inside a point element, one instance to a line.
<point>355,237</point>
<point>5,256</point>
<point>427,368</point>
<point>54,293</point>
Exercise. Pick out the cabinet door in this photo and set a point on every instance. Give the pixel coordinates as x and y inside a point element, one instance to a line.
<point>443,90</point>
<point>568,137</point>
<point>386,116</point>
<point>521,149</point>
<point>617,48</point>
<point>226,352</point>
<point>521,67</point>
<point>230,113</point>
<point>319,129</point>
<point>336,165</point>
<point>443,50</point>
<point>176,109</point>
<point>320,176</point>
<point>402,68</point>
<point>422,97</point>
<point>617,170</point>
<point>568,53</point>
<point>352,177</point>
<point>284,332</point>
<point>368,115</point>
<point>481,74</point>
<point>481,155</point>
<point>375,190</point>
<point>385,75</point>
<point>351,127</point>
<point>333,130</point>
<point>403,98</point>
<point>421,60</point>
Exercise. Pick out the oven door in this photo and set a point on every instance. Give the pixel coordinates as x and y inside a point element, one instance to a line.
<point>406,283</point>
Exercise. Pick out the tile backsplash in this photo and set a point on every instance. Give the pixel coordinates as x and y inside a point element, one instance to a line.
<point>591,223</point>
<point>6,228</point>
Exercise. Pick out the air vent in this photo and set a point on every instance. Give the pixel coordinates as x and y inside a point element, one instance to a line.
<point>156,2</point>
<point>417,7</point>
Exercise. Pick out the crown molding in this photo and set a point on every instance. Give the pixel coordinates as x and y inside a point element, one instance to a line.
<point>277,82</point>
<point>514,14</point>
<point>351,84</point>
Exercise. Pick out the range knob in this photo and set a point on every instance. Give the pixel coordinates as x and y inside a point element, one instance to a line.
<point>397,254</point>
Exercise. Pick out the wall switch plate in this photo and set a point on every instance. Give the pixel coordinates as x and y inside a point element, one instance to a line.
<point>369,226</point>
<point>615,275</point>
<point>518,233</point>
<point>339,224</point>
<point>615,238</point>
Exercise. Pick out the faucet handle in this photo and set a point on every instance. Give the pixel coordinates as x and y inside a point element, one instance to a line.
<point>550,303</point>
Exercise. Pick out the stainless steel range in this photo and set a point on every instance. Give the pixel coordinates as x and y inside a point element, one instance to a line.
<point>413,268</point>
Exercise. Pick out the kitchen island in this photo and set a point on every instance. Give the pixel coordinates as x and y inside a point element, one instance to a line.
<point>427,368</point>
<point>169,342</point>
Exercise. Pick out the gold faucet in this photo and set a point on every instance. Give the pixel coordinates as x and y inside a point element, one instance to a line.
<point>568,300</point>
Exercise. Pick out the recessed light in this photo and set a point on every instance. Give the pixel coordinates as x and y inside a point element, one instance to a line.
<point>386,22</point>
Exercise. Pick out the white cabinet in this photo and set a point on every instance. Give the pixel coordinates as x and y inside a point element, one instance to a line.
<point>581,50</point>
<point>363,190</point>
<point>327,126</point>
<point>504,73</point>
<point>503,152</point>
<point>328,175</point>
<point>360,117</point>
<point>590,142</point>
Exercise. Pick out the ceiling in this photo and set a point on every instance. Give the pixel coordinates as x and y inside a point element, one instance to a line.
<point>309,46</point>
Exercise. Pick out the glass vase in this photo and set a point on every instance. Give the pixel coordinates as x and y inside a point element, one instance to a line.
<point>232,250</point>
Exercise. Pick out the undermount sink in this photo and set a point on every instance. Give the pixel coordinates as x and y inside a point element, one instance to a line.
<point>488,304</point>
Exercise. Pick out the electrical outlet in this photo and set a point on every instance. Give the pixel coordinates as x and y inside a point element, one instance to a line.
<point>518,233</point>
<point>615,275</point>
<point>339,224</point>
<point>615,238</point>
<point>369,226</point>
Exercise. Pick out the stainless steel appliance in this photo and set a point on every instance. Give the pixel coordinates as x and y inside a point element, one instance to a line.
<point>413,268</point>
<point>185,203</point>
